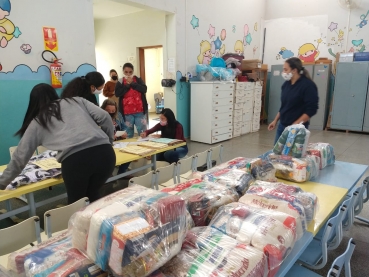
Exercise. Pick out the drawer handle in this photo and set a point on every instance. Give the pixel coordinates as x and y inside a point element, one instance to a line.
<point>216,117</point>
<point>230,101</point>
<point>216,124</point>
<point>230,122</point>
<point>216,102</point>
<point>216,110</point>
<point>217,95</point>
<point>230,115</point>
<point>216,132</point>
<point>231,87</point>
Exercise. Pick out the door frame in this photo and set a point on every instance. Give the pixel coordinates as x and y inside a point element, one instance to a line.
<point>141,57</point>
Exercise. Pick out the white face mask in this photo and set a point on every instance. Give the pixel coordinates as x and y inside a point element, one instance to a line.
<point>287,76</point>
<point>96,91</point>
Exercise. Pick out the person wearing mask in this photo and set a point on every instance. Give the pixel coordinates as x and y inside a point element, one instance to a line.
<point>88,87</point>
<point>131,91</point>
<point>81,133</point>
<point>299,98</point>
<point>109,88</point>
<point>172,129</point>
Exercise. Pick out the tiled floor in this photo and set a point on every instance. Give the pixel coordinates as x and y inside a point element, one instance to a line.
<point>348,147</point>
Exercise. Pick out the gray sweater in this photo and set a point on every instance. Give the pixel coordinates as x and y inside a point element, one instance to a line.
<point>79,130</point>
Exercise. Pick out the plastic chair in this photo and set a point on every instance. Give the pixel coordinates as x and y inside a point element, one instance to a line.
<point>348,217</point>
<point>57,219</point>
<point>20,235</point>
<point>315,255</point>
<point>216,155</point>
<point>185,168</point>
<point>343,260</point>
<point>165,175</point>
<point>203,158</point>
<point>361,200</point>
<point>147,180</point>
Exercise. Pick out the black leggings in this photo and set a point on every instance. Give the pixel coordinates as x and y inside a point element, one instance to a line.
<point>86,171</point>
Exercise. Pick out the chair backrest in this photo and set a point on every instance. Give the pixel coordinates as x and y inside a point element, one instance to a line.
<point>349,215</point>
<point>146,180</point>
<point>20,235</point>
<point>358,206</point>
<point>164,174</point>
<point>343,260</point>
<point>57,219</point>
<point>184,166</point>
<point>203,158</point>
<point>217,154</point>
<point>336,235</point>
<point>366,190</point>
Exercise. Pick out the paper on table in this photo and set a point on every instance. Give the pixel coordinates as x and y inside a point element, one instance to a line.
<point>47,164</point>
<point>120,133</point>
<point>119,145</point>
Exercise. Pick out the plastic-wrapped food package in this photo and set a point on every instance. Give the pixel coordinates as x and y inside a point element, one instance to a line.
<point>4,272</point>
<point>293,141</point>
<point>208,252</point>
<point>262,202</point>
<point>79,223</point>
<point>209,73</point>
<point>204,198</point>
<point>324,151</point>
<point>265,171</point>
<point>235,178</point>
<point>136,243</point>
<point>269,231</point>
<point>289,193</point>
<point>293,169</point>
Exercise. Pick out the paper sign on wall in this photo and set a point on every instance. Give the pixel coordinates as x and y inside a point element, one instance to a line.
<point>50,39</point>
<point>171,65</point>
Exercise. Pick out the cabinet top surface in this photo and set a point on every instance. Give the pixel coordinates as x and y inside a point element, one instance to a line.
<point>200,82</point>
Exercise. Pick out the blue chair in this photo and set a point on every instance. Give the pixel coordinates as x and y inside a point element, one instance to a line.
<point>361,200</point>
<point>315,255</point>
<point>335,271</point>
<point>349,216</point>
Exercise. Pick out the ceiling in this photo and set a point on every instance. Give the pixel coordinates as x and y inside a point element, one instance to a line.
<point>104,9</point>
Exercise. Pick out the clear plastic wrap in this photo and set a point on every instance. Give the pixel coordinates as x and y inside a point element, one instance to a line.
<point>293,169</point>
<point>209,73</point>
<point>4,272</point>
<point>293,141</point>
<point>204,198</point>
<point>324,151</point>
<point>79,224</point>
<point>208,252</point>
<point>269,231</point>
<point>289,193</point>
<point>264,171</point>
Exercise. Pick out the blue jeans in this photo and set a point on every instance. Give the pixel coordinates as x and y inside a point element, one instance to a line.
<point>138,119</point>
<point>281,128</point>
<point>173,156</point>
<point>123,168</point>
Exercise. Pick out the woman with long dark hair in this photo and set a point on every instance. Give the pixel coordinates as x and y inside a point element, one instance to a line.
<point>170,128</point>
<point>87,87</point>
<point>299,97</point>
<point>81,133</point>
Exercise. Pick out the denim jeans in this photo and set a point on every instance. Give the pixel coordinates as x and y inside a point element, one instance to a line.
<point>138,119</point>
<point>281,128</point>
<point>173,156</point>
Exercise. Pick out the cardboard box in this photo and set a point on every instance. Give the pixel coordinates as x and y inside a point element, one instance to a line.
<point>250,64</point>
<point>323,61</point>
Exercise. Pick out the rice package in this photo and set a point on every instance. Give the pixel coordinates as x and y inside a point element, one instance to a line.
<point>293,141</point>
<point>209,252</point>
<point>293,169</point>
<point>269,231</point>
<point>204,198</point>
<point>79,224</point>
<point>324,151</point>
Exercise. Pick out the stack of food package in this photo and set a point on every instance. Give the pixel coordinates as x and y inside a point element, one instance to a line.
<point>324,151</point>
<point>134,234</point>
<point>203,198</point>
<point>207,251</point>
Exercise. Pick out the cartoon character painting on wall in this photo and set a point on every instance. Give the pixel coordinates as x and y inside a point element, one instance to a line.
<point>308,53</point>
<point>7,29</point>
<point>238,47</point>
<point>205,53</point>
<point>285,54</point>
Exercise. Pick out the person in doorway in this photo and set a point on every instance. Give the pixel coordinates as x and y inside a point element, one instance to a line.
<point>88,87</point>
<point>131,91</point>
<point>81,133</point>
<point>109,88</point>
<point>170,128</point>
<point>299,97</point>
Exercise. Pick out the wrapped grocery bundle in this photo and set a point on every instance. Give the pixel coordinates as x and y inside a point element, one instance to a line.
<point>264,171</point>
<point>324,151</point>
<point>208,252</point>
<point>203,198</point>
<point>4,272</point>
<point>292,194</point>
<point>269,231</point>
<point>293,141</point>
<point>293,169</point>
<point>79,224</point>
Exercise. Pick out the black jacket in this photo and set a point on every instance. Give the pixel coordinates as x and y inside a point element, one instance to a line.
<point>121,90</point>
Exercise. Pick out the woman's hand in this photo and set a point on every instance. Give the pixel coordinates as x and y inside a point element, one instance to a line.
<point>272,125</point>
<point>143,135</point>
<point>124,136</point>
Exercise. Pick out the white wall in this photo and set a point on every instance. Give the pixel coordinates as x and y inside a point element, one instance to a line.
<point>154,74</point>
<point>345,37</point>
<point>75,35</point>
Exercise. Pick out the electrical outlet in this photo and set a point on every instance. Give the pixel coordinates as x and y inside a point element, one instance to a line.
<point>183,79</point>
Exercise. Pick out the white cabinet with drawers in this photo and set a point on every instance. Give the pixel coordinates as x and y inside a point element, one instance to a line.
<point>258,91</point>
<point>212,111</point>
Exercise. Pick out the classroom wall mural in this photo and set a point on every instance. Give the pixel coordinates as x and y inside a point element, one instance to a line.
<point>8,30</point>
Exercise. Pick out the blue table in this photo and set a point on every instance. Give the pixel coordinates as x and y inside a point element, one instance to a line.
<point>343,175</point>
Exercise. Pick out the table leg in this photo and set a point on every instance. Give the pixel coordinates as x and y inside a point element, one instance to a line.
<point>153,159</point>
<point>8,205</point>
<point>31,204</point>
